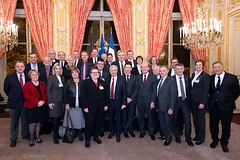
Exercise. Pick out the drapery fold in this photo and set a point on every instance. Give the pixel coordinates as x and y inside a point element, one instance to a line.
<point>9,8</point>
<point>122,16</point>
<point>80,10</point>
<point>187,12</point>
<point>39,19</point>
<point>159,16</point>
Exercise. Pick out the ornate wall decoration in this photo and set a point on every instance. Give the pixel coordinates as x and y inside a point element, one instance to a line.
<point>233,4</point>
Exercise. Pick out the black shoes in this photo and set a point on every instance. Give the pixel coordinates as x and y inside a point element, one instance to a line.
<point>213,144</point>
<point>225,148</point>
<point>194,139</point>
<point>153,137</point>
<point>141,135</point>
<point>126,135</point>
<point>87,144</point>
<point>13,143</point>
<point>199,142</point>
<point>161,138</point>
<point>97,140</point>
<point>118,139</point>
<point>110,135</point>
<point>189,142</point>
<point>178,140</point>
<point>26,138</point>
<point>132,134</point>
<point>31,142</point>
<point>167,143</point>
<point>56,141</point>
<point>80,137</point>
<point>101,134</point>
<point>39,140</point>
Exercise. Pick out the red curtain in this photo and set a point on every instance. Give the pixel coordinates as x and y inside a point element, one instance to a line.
<point>39,18</point>
<point>159,16</point>
<point>80,10</point>
<point>9,8</point>
<point>122,16</point>
<point>187,12</point>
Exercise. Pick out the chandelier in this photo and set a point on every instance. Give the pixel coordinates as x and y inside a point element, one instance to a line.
<point>203,32</point>
<point>8,33</point>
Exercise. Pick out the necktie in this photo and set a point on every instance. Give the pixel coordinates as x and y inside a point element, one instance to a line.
<point>145,79</point>
<point>112,89</point>
<point>84,70</point>
<point>127,79</point>
<point>34,66</point>
<point>181,88</point>
<point>21,80</point>
<point>159,85</point>
<point>47,71</point>
<point>61,63</point>
<point>75,63</point>
<point>94,60</point>
<point>100,74</point>
<point>218,82</point>
<point>121,68</point>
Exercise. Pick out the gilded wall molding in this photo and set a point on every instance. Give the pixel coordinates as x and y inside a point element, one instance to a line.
<point>232,4</point>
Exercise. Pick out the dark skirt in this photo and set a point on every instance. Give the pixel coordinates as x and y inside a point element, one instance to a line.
<point>35,115</point>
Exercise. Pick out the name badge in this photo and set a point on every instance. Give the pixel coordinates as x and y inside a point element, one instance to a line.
<point>101,87</point>
<point>60,85</point>
<point>197,81</point>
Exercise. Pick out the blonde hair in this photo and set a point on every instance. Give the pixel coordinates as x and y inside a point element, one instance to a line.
<point>31,71</point>
<point>54,66</point>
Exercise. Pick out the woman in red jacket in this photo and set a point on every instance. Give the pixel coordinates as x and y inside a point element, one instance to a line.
<point>35,96</point>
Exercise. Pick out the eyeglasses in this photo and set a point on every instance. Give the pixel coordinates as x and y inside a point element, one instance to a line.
<point>95,72</point>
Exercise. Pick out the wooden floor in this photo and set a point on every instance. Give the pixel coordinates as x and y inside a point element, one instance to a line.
<point>127,149</point>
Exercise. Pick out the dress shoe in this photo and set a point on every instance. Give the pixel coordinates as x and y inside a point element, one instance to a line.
<point>13,143</point>
<point>178,140</point>
<point>199,142</point>
<point>118,139</point>
<point>167,143</point>
<point>110,135</point>
<point>161,138</point>
<point>194,139</point>
<point>189,142</point>
<point>56,141</point>
<point>80,137</point>
<point>31,142</point>
<point>26,137</point>
<point>132,134</point>
<point>153,137</point>
<point>213,144</point>
<point>87,144</point>
<point>126,135</point>
<point>39,140</point>
<point>97,140</point>
<point>225,148</point>
<point>101,134</point>
<point>141,135</point>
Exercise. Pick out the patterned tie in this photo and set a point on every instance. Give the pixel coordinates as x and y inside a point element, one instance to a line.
<point>219,82</point>
<point>181,88</point>
<point>21,80</point>
<point>112,89</point>
<point>34,67</point>
<point>145,79</point>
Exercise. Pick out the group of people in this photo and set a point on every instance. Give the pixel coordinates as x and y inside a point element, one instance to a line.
<point>88,88</point>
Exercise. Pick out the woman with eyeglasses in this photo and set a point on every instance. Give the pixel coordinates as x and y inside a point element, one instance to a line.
<point>94,101</point>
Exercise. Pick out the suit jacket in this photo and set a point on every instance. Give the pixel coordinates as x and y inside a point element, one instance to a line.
<point>167,95</point>
<point>200,88</point>
<point>88,67</point>
<point>147,92</point>
<point>44,74</point>
<point>132,87</point>
<point>55,95</point>
<point>226,95</point>
<point>188,87</point>
<point>92,96</point>
<point>91,60</point>
<point>170,70</point>
<point>134,62</point>
<point>105,75</point>
<point>32,96</point>
<point>41,70</point>
<point>13,90</point>
<point>67,73</point>
<point>120,91</point>
<point>106,66</point>
<point>118,66</point>
<point>135,71</point>
<point>70,93</point>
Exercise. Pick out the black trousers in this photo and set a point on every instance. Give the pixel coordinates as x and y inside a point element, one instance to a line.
<point>93,121</point>
<point>199,121</point>
<point>182,105</point>
<point>165,121</point>
<point>127,116</point>
<point>56,124</point>
<point>141,119</point>
<point>225,117</point>
<point>114,110</point>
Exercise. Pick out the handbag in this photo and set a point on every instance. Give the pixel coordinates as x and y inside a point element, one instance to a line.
<point>69,135</point>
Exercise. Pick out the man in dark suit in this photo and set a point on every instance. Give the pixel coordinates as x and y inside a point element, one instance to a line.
<point>102,73</point>
<point>183,103</point>
<point>61,57</point>
<point>120,62</point>
<point>146,100</point>
<point>52,56</point>
<point>166,99</point>
<point>130,58</point>
<point>109,62</point>
<point>94,101</point>
<point>95,57</point>
<point>172,72</point>
<point>224,90</point>
<point>46,63</point>
<point>84,65</point>
<point>13,88</point>
<point>34,65</point>
<point>132,90</point>
<point>118,101</point>
<point>76,58</point>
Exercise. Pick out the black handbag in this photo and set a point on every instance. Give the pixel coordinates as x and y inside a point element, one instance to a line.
<point>69,135</point>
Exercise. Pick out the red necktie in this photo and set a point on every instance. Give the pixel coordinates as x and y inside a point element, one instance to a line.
<point>145,79</point>
<point>21,80</point>
<point>112,89</point>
